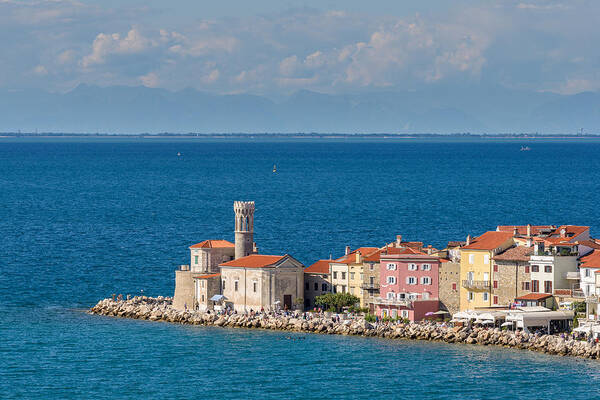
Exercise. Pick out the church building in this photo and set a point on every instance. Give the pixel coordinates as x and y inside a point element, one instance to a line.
<point>236,275</point>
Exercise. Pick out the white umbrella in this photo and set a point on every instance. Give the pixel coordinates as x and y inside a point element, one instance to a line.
<point>441,312</point>
<point>507,324</point>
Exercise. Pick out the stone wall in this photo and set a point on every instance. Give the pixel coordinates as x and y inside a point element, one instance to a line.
<point>310,293</point>
<point>184,290</point>
<point>510,279</point>
<point>449,281</point>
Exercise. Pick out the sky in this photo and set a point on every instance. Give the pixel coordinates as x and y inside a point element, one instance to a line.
<point>276,48</point>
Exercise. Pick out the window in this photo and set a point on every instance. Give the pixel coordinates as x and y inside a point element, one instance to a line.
<point>527,269</point>
<point>535,268</point>
<point>535,286</point>
<point>202,283</point>
<point>404,313</point>
<point>486,259</point>
<point>412,267</point>
<point>203,298</point>
<point>495,299</point>
<point>316,286</point>
<point>425,280</point>
<point>470,276</point>
<point>344,289</point>
<point>235,285</point>
<point>255,286</point>
<point>334,289</point>
<point>391,266</point>
<point>391,280</point>
<point>343,275</point>
<point>362,276</point>
<point>352,275</point>
<point>485,296</point>
<point>471,258</point>
<point>390,295</point>
<point>351,289</point>
<point>548,268</point>
<point>587,272</point>
<point>547,286</point>
<point>426,267</point>
<point>334,274</point>
<point>371,267</point>
<point>486,276</point>
<point>525,285</point>
<point>324,287</point>
<point>495,267</point>
<point>425,295</point>
<point>470,296</point>
<point>223,284</point>
<point>411,280</point>
<point>195,259</point>
<point>495,284</point>
<point>306,286</point>
<point>454,286</point>
<point>372,280</point>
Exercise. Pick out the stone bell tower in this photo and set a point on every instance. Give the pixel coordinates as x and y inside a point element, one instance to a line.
<point>244,228</point>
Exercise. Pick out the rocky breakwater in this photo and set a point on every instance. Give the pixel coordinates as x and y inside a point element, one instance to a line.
<point>159,309</point>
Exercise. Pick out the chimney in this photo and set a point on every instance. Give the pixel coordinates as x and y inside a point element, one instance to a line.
<point>254,248</point>
<point>563,232</point>
<point>529,230</point>
<point>536,248</point>
<point>468,240</point>
<point>515,231</point>
<point>429,249</point>
<point>529,242</point>
<point>347,250</point>
<point>398,240</point>
<point>358,257</point>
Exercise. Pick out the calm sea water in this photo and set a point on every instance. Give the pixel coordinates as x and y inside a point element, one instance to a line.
<point>81,219</point>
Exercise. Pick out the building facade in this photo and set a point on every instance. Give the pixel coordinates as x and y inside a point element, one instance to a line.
<point>409,286</point>
<point>449,286</point>
<point>476,268</point>
<point>317,282</point>
<point>511,277</point>
<point>263,282</point>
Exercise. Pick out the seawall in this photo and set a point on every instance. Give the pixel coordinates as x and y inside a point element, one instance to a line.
<point>159,309</point>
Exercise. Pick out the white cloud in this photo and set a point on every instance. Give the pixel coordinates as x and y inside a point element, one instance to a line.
<point>150,80</point>
<point>106,44</point>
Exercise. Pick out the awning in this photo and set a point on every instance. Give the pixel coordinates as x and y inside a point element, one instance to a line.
<point>218,297</point>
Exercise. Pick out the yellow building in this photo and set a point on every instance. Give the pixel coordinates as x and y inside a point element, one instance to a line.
<point>476,268</point>
<point>354,264</point>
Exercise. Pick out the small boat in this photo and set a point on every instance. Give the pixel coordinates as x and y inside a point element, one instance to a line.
<point>274,168</point>
<point>525,148</point>
<point>178,154</point>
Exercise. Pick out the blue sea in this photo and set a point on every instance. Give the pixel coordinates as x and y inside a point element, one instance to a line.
<point>82,218</point>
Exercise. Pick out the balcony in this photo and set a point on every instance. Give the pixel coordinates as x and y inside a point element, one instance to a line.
<point>392,302</point>
<point>476,285</point>
<point>370,286</point>
<point>571,275</point>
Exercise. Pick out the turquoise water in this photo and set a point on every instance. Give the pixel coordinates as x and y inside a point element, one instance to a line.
<point>81,219</point>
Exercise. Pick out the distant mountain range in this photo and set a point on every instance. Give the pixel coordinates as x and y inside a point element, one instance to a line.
<point>120,109</point>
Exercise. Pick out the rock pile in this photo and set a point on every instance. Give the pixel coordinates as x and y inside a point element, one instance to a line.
<point>159,309</point>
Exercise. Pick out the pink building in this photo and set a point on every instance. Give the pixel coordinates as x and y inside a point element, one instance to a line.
<point>409,286</point>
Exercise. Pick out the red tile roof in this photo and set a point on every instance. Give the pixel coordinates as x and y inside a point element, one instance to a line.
<point>517,253</point>
<point>351,257</point>
<point>253,261</point>
<point>212,244</point>
<point>572,230</point>
<point>592,260</point>
<point>206,276</point>
<point>534,296</point>
<point>489,240</point>
<point>589,243</point>
<point>455,243</point>
<point>320,267</point>
<point>522,229</point>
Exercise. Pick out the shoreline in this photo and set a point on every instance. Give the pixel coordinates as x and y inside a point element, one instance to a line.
<point>159,309</point>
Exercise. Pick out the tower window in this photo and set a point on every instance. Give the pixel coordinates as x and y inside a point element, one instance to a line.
<point>255,286</point>
<point>235,286</point>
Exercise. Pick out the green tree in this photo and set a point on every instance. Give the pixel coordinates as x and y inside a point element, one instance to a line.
<point>336,300</point>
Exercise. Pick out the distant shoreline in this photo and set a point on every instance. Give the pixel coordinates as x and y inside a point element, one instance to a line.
<point>52,135</point>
